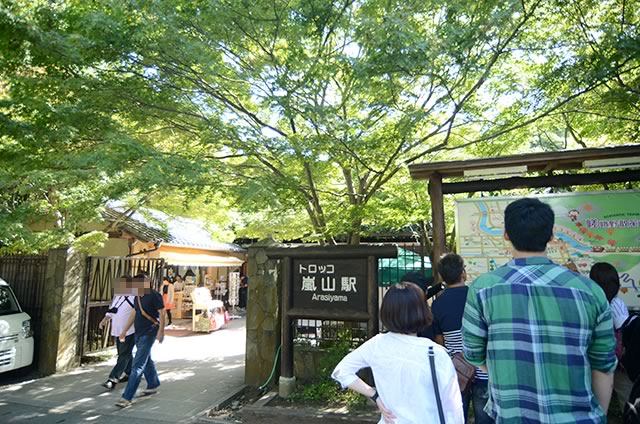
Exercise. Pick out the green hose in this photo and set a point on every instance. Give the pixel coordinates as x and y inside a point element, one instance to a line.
<point>273,371</point>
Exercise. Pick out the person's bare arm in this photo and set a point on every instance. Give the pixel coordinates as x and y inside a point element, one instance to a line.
<point>602,385</point>
<point>364,389</point>
<point>160,336</point>
<point>440,339</point>
<point>126,328</point>
<point>104,321</point>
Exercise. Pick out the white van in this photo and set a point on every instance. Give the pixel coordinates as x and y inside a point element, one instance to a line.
<point>16,337</point>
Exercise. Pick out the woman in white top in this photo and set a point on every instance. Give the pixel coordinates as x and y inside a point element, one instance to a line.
<point>606,276</point>
<point>119,312</point>
<point>401,367</point>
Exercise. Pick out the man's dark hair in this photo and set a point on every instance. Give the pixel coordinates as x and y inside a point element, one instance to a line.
<point>451,267</point>
<point>404,309</point>
<point>529,224</point>
<point>606,276</point>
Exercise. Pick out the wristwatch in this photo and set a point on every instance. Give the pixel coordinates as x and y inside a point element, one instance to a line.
<point>374,397</point>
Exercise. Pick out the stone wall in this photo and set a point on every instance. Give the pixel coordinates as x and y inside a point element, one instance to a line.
<point>263,314</point>
<point>62,311</point>
<point>306,363</point>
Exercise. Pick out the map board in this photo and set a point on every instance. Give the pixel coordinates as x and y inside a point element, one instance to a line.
<point>589,228</point>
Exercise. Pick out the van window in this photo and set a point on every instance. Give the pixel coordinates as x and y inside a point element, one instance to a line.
<point>8,303</point>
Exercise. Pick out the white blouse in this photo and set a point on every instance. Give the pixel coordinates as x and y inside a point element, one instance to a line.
<point>400,365</point>
<point>120,319</point>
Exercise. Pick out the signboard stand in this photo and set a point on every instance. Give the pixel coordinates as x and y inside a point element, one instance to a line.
<point>337,283</point>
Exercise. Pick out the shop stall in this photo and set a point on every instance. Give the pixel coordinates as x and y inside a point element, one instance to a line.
<point>205,287</point>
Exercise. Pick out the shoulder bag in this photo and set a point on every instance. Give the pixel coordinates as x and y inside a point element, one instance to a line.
<point>465,371</point>
<point>434,377</point>
<point>146,315</point>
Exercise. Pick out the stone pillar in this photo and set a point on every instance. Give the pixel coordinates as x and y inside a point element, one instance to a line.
<point>263,314</point>
<point>62,311</point>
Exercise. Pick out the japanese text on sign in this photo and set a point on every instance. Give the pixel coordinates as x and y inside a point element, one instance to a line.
<point>327,284</point>
<point>338,281</point>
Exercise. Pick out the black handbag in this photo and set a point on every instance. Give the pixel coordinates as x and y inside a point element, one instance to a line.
<point>434,377</point>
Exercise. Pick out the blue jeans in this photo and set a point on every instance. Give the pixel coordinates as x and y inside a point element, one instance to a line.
<point>479,394</point>
<point>142,365</point>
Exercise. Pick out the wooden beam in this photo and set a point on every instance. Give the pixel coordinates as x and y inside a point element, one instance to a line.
<point>565,180</point>
<point>372,306</point>
<point>327,315</point>
<point>334,252</point>
<point>565,159</point>
<point>437,221</point>
<point>286,358</point>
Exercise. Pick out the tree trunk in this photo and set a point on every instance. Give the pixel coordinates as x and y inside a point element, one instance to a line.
<point>451,244</point>
<point>355,235</point>
<point>426,248</point>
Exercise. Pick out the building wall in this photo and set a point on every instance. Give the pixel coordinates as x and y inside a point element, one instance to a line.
<point>114,247</point>
<point>139,246</point>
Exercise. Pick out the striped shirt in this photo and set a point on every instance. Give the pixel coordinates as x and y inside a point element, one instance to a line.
<point>447,320</point>
<point>619,312</point>
<point>541,329</point>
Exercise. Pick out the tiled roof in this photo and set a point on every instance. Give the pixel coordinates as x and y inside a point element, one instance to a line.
<point>152,225</point>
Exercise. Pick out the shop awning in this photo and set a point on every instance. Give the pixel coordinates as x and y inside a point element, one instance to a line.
<point>200,259</point>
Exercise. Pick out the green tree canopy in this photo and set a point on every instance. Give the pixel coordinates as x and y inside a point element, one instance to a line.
<point>313,106</point>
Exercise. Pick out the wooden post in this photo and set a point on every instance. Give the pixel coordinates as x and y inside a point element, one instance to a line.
<point>287,337</point>
<point>437,221</point>
<point>372,285</point>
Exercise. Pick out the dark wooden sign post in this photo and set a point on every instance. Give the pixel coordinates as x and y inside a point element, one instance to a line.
<point>326,283</point>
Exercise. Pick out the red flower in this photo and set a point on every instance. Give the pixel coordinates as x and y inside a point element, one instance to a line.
<point>612,242</point>
<point>578,224</point>
<point>583,230</point>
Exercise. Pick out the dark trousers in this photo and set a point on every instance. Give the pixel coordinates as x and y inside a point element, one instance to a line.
<point>478,395</point>
<point>242,297</point>
<point>125,357</point>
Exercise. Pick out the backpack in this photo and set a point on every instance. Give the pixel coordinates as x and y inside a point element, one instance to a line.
<point>631,346</point>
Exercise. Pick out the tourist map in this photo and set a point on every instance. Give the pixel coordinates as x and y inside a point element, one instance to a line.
<point>589,228</point>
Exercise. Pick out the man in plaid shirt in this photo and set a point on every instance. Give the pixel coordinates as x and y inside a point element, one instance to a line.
<point>544,333</point>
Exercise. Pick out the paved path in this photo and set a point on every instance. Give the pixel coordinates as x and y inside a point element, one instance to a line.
<point>195,371</point>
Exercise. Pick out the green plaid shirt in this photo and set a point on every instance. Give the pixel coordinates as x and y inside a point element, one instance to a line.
<point>540,329</point>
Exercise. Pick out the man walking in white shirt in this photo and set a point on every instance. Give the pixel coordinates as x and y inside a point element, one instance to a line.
<point>119,312</point>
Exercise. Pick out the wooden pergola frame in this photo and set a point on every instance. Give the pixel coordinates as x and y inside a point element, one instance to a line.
<point>545,163</point>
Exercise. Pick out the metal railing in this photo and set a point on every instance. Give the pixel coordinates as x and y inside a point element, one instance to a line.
<point>323,333</point>
<point>102,272</point>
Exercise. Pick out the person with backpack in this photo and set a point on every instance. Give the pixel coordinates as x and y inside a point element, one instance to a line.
<point>149,323</point>
<point>415,378</point>
<point>447,323</point>
<point>119,313</point>
<point>606,276</point>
